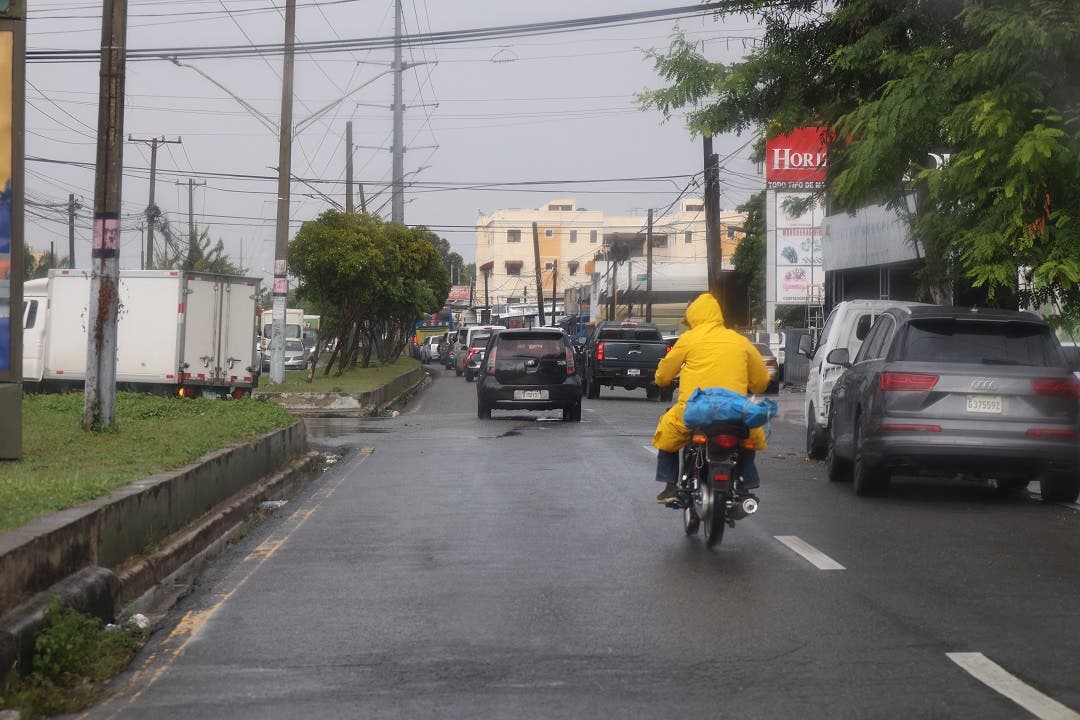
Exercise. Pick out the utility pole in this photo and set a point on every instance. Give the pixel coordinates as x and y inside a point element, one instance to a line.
<point>99,403</point>
<point>397,205</point>
<point>72,207</point>
<point>192,239</point>
<point>554,287</point>
<point>648,269</point>
<point>348,168</point>
<point>539,278</point>
<point>714,252</point>
<point>611,281</point>
<point>363,200</point>
<point>151,208</point>
<point>487,300</point>
<point>281,241</point>
<point>629,287</point>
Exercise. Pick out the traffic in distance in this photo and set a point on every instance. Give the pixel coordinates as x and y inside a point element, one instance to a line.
<point>893,389</point>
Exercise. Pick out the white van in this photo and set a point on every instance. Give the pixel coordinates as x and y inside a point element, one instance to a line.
<point>847,325</point>
<point>464,341</point>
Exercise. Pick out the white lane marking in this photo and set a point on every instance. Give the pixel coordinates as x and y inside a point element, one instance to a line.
<point>810,553</point>
<point>997,678</point>
<point>650,448</point>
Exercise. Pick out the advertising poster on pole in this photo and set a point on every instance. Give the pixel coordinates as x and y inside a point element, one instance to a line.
<point>6,84</point>
<point>798,250</point>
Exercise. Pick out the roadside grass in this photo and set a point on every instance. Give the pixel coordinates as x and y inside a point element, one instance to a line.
<point>63,466</point>
<point>74,655</point>
<point>351,382</point>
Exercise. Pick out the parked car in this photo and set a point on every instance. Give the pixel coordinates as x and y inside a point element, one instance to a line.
<point>531,369</point>
<point>771,365</point>
<point>297,357</point>
<point>429,350</point>
<point>775,342</point>
<point>986,393</point>
<point>846,326</point>
<point>474,356</point>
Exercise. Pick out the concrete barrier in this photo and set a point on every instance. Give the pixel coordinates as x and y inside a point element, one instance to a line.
<point>347,404</point>
<point>105,553</point>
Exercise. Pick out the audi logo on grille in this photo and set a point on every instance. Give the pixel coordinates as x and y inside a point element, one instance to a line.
<point>983,384</point>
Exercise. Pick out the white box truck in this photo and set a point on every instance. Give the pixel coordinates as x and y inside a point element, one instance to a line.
<point>177,332</point>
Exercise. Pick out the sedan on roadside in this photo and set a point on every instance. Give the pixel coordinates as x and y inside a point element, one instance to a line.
<point>529,369</point>
<point>940,390</point>
<point>771,365</point>
<point>297,357</point>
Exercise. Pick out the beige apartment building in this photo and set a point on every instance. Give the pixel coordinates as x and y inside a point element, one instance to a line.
<point>576,245</point>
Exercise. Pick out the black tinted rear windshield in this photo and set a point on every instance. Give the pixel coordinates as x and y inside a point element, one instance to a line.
<point>630,335</point>
<point>549,346</point>
<point>988,343</point>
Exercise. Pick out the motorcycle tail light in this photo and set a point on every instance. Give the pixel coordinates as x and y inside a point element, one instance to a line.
<point>748,444</point>
<point>721,477</point>
<point>919,382</point>
<point>725,442</point>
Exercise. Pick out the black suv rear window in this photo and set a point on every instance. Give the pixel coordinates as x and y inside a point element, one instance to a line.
<point>989,343</point>
<point>630,335</point>
<point>538,347</point>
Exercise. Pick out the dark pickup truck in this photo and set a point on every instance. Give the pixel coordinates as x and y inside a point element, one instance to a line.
<point>625,354</point>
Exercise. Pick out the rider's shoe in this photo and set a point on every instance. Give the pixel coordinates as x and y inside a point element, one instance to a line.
<point>669,495</point>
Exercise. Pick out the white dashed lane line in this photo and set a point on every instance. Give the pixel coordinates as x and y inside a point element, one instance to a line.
<point>997,678</point>
<point>809,553</point>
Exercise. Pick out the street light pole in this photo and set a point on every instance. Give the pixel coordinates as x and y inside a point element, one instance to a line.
<point>281,239</point>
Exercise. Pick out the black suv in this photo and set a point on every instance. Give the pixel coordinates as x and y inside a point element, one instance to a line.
<point>530,369</point>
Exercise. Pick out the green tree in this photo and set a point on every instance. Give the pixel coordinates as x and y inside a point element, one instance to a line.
<point>179,253</point>
<point>992,83</point>
<point>749,256</point>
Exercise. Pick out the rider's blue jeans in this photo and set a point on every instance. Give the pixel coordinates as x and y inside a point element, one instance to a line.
<point>667,469</point>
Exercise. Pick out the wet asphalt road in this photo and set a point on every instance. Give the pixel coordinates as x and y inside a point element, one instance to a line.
<point>450,567</point>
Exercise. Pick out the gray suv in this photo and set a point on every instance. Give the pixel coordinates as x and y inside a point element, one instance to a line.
<point>942,390</point>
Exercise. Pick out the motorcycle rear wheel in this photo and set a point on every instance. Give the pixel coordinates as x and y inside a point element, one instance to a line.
<point>713,513</point>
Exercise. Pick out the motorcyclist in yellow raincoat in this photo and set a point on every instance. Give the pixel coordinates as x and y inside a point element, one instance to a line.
<point>707,355</point>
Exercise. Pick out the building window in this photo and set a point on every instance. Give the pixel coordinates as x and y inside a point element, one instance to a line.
<point>659,241</point>
<point>560,208</point>
<point>548,266</point>
<point>513,267</point>
<point>731,233</point>
<point>513,236</point>
<point>548,233</point>
<point>592,237</point>
<point>573,236</point>
<point>688,237</point>
<point>695,207</point>
<point>573,267</point>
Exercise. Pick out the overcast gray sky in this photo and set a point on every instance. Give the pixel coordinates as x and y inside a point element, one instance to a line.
<point>548,107</point>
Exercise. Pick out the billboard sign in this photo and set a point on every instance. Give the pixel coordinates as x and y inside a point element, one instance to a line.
<point>796,161</point>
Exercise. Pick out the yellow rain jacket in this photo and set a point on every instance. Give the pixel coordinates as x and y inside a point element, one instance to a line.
<point>707,355</point>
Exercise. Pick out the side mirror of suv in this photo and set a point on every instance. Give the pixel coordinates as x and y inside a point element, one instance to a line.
<point>838,356</point>
<point>806,346</point>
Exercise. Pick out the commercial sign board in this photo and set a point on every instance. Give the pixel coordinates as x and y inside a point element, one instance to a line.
<point>796,161</point>
<point>798,250</point>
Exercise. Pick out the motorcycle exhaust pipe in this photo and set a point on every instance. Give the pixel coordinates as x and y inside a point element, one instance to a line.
<point>745,507</point>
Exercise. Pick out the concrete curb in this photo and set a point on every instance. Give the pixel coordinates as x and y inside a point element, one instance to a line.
<point>111,551</point>
<point>333,405</point>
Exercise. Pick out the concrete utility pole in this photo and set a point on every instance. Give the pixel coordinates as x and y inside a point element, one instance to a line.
<point>281,243</point>
<point>714,251</point>
<point>99,404</point>
<point>73,205</point>
<point>151,208</point>
<point>554,287</point>
<point>363,200</point>
<point>539,278</point>
<point>648,269</point>
<point>348,168</point>
<point>192,239</point>
<point>397,204</point>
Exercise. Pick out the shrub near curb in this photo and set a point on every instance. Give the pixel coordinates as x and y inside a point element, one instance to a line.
<point>73,657</point>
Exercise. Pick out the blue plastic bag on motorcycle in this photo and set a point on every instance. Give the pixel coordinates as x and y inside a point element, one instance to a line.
<point>717,405</point>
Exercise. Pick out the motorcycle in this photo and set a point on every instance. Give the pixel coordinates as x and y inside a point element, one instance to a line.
<point>709,485</point>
